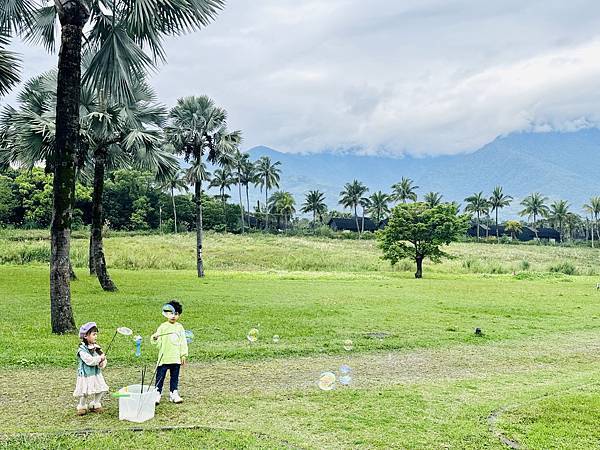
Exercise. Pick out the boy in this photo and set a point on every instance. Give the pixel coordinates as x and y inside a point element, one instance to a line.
<point>172,350</point>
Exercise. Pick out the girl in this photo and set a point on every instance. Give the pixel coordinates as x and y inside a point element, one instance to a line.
<point>90,382</point>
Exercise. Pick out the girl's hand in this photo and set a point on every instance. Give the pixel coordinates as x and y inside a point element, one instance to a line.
<point>102,357</point>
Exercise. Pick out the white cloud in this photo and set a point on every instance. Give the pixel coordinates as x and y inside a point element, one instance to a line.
<point>418,76</point>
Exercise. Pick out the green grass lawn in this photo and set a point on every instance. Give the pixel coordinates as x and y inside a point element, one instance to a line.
<point>421,378</point>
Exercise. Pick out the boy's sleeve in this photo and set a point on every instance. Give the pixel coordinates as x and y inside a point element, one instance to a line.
<point>183,343</point>
<point>157,341</point>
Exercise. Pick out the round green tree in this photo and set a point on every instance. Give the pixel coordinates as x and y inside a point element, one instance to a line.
<point>416,231</point>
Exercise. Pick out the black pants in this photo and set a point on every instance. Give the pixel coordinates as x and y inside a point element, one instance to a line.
<point>161,374</point>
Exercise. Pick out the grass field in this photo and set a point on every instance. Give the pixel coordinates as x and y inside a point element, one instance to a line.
<point>421,378</point>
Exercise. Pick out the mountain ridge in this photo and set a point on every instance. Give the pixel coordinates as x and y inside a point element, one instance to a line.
<point>560,165</point>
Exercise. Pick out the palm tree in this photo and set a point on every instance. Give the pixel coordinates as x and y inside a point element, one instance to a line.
<point>432,199</point>
<point>175,181</point>
<point>497,201</point>
<point>558,212</point>
<point>268,176</point>
<point>247,173</point>
<point>574,222</point>
<point>351,197</point>
<point>121,37</point>
<point>112,136</point>
<point>534,206</point>
<point>285,206</point>
<point>378,206</point>
<point>222,179</point>
<point>239,163</point>
<point>314,202</point>
<point>15,18</point>
<point>593,207</point>
<point>198,127</point>
<point>404,190</point>
<point>514,227</point>
<point>477,204</point>
<point>364,203</point>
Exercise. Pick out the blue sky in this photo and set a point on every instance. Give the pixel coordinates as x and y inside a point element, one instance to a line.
<point>418,77</point>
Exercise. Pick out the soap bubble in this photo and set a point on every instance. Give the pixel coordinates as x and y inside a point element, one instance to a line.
<point>348,345</point>
<point>252,335</point>
<point>275,338</point>
<point>345,375</point>
<point>327,381</point>
<point>189,336</point>
<point>174,337</point>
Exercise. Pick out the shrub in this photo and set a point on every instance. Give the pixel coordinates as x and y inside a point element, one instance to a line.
<point>525,265</point>
<point>565,267</point>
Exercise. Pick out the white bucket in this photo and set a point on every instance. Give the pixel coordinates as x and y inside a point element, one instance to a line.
<point>137,407</point>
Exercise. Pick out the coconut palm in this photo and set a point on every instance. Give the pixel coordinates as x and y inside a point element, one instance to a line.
<point>351,197</point>
<point>404,190</point>
<point>514,227</point>
<point>283,205</point>
<point>497,201</point>
<point>314,202</point>
<point>119,39</point>
<point>534,206</point>
<point>574,223</point>
<point>239,163</point>
<point>379,206</point>
<point>477,204</point>
<point>247,172</point>
<point>223,179</point>
<point>593,207</point>
<point>432,199</point>
<point>558,213</point>
<point>198,129</point>
<point>174,182</point>
<point>267,176</point>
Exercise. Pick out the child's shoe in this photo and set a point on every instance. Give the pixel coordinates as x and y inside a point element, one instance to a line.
<point>174,397</point>
<point>96,407</point>
<point>157,401</point>
<point>81,411</point>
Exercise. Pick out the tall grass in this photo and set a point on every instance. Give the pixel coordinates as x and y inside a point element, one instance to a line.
<point>260,252</point>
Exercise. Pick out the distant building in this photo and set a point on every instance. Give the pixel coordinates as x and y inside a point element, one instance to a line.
<point>526,234</point>
<point>341,224</point>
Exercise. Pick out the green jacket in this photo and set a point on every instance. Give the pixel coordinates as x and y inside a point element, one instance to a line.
<point>172,343</point>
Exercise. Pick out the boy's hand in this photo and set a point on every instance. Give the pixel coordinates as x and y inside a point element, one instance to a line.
<point>154,337</point>
<point>183,360</point>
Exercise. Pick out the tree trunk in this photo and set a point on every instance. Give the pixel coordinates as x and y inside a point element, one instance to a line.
<point>199,262</point>
<point>497,232</point>
<point>97,221</point>
<point>266,208</point>
<point>419,272</point>
<point>356,220</point>
<point>592,235</point>
<point>174,209</point>
<point>362,227</point>
<point>91,255</point>
<point>477,225</point>
<point>224,209</point>
<point>535,228</point>
<point>72,275</point>
<point>72,19</point>
<point>248,205</point>
<point>241,203</point>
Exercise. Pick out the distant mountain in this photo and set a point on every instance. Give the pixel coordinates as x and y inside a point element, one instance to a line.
<point>559,165</point>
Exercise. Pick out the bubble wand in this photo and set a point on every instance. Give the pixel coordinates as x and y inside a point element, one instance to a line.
<point>121,330</point>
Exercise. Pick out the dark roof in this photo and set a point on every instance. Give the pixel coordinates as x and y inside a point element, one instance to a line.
<point>341,224</point>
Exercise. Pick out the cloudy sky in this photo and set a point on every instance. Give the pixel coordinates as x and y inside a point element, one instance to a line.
<point>384,76</point>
